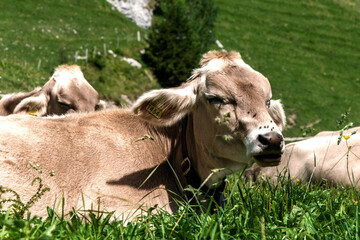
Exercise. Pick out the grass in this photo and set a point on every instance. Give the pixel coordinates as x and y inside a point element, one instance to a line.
<point>33,31</point>
<point>309,50</point>
<point>260,211</point>
<point>113,78</point>
<point>35,37</point>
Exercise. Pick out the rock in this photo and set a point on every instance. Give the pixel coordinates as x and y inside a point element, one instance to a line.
<point>137,10</point>
<point>132,62</point>
<point>219,44</point>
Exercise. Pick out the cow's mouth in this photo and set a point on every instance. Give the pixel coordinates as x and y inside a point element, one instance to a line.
<point>266,160</point>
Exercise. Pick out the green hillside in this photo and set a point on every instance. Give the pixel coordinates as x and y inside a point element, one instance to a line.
<point>309,50</point>
<point>37,36</point>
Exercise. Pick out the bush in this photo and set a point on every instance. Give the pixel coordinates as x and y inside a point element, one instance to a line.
<point>178,38</point>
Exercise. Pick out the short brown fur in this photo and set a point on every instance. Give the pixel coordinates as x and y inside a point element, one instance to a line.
<point>226,56</point>
<point>106,156</point>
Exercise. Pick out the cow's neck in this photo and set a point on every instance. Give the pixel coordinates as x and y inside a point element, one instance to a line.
<point>182,154</point>
<point>184,159</point>
<point>186,171</point>
<point>200,157</point>
<point>187,167</point>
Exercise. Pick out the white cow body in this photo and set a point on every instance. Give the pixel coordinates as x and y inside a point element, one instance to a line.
<point>319,158</point>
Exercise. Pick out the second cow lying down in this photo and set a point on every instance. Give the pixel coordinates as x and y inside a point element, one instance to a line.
<point>222,118</point>
<point>67,91</point>
<point>316,159</point>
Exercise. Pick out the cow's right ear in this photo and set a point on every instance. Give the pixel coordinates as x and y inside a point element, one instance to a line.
<point>277,113</point>
<point>36,105</point>
<point>165,107</point>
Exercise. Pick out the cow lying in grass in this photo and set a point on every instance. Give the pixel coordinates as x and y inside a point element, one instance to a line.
<point>67,91</point>
<point>222,118</point>
<point>319,158</point>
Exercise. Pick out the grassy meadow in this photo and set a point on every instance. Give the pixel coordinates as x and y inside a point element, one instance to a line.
<point>37,36</point>
<point>290,210</point>
<point>309,50</point>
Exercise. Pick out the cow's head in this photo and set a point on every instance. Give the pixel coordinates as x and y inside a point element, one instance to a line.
<point>230,110</point>
<point>67,91</point>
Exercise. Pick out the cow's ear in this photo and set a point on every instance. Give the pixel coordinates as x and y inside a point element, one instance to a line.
<point>36,105</point>
<point>277,113</point>
<point>9,102</point>
<point>166,106</point>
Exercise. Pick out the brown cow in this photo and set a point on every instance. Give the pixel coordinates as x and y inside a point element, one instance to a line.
<point>318,158</point>
<point>222,118</point>
<point>66,91</point>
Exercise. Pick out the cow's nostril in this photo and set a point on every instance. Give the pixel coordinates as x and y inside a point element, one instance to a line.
<point>264,140</point>
<point>271,140</point>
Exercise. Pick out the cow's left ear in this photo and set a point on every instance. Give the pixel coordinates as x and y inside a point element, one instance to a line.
<point>36,106</point>
<point>277,113</point>
<point>165,107</point>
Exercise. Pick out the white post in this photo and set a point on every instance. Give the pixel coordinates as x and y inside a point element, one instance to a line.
<point>39,64</point>
<point>138,36</point>
<point>94,52</point>
<point>77,57</point>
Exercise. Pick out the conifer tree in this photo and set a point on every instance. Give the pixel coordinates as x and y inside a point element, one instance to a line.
<point>178,38</point>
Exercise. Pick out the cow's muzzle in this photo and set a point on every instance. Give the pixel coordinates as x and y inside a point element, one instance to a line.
<point>272,145</point>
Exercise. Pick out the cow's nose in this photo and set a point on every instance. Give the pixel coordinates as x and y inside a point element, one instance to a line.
<point>271,141</point>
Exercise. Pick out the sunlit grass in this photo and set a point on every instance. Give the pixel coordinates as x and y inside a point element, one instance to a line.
<point>254,211</point>
<point>308,49</point>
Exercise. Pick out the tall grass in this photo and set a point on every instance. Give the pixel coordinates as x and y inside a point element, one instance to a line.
<point>253,211</point>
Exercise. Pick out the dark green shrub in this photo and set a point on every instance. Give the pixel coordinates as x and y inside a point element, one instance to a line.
<point>178,38</point>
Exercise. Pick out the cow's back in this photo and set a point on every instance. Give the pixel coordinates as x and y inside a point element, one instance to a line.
<point>95,157</point>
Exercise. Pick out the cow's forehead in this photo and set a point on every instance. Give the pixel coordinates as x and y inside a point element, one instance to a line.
<point>66,75</point>
<point>72,88</point>
<point>232,76</point>
<point>215,61</point>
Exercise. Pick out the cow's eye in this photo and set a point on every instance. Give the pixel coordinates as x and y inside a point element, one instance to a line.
<point>267,103</point>
<point>65,105</point>
<point>213,99</point>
